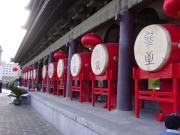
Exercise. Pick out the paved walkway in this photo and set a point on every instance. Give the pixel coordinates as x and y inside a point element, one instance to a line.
<point>22,120</point>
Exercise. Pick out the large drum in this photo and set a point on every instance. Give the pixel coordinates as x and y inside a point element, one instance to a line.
<point>62,67</point>
<point>51,70</point>
<point>44,70</point>
<point>80,63</point>
<point>156,46</point>
<point>104,57</point>
<point>29,74</point>
<point>34,74</point>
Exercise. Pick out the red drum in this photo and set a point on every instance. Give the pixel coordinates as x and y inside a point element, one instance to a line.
<point>34,74</point>
<point>104,57</point>
<point>27,75</point>
<point>156,46</point>
<point>31,74</point>
<point>44,72</point>
<point>51,70</point>
<point>24,75</point>
<point>62,67</point>
<point>80,63</point>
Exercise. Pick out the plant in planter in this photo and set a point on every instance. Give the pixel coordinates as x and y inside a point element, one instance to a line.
<point>18,92</point>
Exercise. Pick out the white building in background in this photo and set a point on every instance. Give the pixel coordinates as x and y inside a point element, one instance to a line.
<point>8,73</point>
<point>6,70</point>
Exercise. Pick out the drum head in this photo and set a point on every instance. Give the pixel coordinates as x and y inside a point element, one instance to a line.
<point>75,66</point>
<point>152,48</point>
<point>99,59</point>
<point>29,74</point>
<point>60,67</point>
<point>50,70</point>
<point>44,72</point>
<point>34,74</point>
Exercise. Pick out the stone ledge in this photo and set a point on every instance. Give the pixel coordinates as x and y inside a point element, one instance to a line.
<point>97,120</point>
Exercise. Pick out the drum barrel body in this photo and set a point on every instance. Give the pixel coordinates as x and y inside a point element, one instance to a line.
<point>113,52</point>
<point>174,32</point>
<point>86,60</point>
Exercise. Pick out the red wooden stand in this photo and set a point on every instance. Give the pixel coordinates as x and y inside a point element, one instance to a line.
<point>30,82</point>
<point>110,91</point>
<point>83,89</point>
<point>62,78</point>
<point>34,81</point>
<point>169,94</point>
<point>30,77</point>
<point>44,81</point>
<point>52,85</point>
<point>61,84</point>
<point>44,84</point>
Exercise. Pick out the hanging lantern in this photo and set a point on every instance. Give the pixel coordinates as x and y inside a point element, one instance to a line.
<point>14,69</point>
<point>172,8</point>
<point>90,40</point>
<point>59,55</point>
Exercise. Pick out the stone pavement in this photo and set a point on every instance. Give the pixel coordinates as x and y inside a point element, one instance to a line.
<point>22,120</point>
